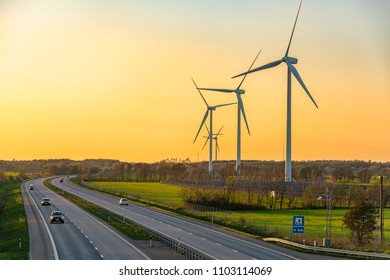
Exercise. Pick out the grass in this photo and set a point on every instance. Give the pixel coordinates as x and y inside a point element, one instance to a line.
<point>279,222</point>
<point>163,194</point>
<point>260,222</point>
<point>13,224</point>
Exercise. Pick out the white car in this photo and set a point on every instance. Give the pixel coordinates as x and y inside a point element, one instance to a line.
<point>123,201</point>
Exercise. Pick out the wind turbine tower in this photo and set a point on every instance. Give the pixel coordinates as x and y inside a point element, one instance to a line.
<point>290,69</point>
<point>215,137</point>
<point>209,111</point>
<point>238,91</point>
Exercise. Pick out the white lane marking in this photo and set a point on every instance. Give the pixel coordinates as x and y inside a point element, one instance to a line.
<point>53,244</point>
<point>87,197</point>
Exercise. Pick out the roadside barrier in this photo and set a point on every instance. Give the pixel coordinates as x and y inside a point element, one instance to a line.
<point>328,250</point>
<point>137,229</point>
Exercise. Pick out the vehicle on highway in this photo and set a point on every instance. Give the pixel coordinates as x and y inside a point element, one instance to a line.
<point>31,186</point>
<point>45,201</point>
<point>123,201</point>
<point>56,216</point>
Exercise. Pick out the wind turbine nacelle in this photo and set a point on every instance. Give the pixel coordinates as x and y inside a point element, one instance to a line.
<point>292,60</point>
<point>240,91</point>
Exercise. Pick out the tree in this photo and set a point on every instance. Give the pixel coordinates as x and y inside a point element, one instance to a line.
<point>361,220</point>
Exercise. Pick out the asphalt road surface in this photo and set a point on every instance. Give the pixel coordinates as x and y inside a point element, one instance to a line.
<point>80,237</point>
<point>212,241</point>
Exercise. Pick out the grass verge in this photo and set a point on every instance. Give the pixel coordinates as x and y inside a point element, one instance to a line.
<point>14,238</point>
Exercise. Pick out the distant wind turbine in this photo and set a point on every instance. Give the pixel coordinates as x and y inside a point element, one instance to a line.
<point>215,137</point>
<point>209,111</point>
<point>290,69</point>
<point>238,91</point>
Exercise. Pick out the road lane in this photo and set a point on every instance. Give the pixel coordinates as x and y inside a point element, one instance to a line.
<point>214,242</point>
<point>82,236</point>
<point>41,245</point>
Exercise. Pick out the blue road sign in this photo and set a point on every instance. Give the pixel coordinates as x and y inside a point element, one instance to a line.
<point>298,229</point>
<point>298,221</point>
<point>298,224</point>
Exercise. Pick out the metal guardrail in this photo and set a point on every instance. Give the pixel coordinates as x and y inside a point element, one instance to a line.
<point>184,249</point>
<point>328,250</point>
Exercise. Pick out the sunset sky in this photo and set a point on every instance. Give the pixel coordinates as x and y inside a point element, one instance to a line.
<point>112,79</point>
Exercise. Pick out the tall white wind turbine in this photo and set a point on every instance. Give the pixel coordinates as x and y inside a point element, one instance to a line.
<point>290,69</point>
<point>241,111</point>
<point>215,137</point>
<point>209,111</point>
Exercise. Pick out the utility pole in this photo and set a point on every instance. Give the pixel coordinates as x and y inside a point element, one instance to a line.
<point>328,217</point>
<point>328,227</point>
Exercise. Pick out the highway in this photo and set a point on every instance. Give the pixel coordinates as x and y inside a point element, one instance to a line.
<point>81,237</point>
<point>211,241</point>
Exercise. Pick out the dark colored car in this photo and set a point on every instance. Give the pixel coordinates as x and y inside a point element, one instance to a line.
<point>56,216</point>
<point>45,201</point>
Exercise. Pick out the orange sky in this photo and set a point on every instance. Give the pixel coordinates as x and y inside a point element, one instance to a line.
<point>112,79</point>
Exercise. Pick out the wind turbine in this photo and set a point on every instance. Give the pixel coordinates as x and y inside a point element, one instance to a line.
<point>290,69</point>
<point>215,137</point>
<point>209,111</point>
<point>238,91</point>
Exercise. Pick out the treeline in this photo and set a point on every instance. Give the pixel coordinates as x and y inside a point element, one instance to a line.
<point>255,195</point>
<point>185,170</point>
<point>264,171</point>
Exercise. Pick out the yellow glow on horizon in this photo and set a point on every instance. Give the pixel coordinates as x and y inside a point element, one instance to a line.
<point>84,80</point>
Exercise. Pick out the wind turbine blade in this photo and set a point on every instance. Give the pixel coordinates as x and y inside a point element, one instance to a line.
<point>250,67</point>
<point>299,79</point>
<point>222,105</point>
<point>241,105</point>
<point>266,66</point>
<point>200,93</point>
<point>219,131</point>
<point>218,89</point>
<point>292,33</point>
<point>216,144</point>
<point>207,128</point>
<point>203,121</point>
<point>205,143</point>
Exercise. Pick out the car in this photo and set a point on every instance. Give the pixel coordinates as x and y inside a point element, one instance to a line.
<point>45,201</point>
<point>31,187</point>
<point>56,216</point>
<point>123,201</point>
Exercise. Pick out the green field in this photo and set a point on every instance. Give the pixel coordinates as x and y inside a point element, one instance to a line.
<point>279,222</point>
<point>264,222</point>
<point>163,194</point>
